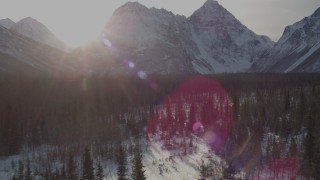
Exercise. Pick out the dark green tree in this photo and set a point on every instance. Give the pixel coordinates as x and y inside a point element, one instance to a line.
<point>316,162</point>
<point>87,166</point>
<point>309,142</point>
<point>302,105</point>
<point>122,164</point>
<point>46,174</point>
<point>10,136</point>
<point>28,175</point>
<point>99,174</point>
<point>293,148</point>
<point>71,167</point>
<point>56,174</point>
<point>20,170</point>
<point>63,172</point>
<point>138,168</point>
<point>14,177</point>
<point>203,171</point>
<point>229,172</point>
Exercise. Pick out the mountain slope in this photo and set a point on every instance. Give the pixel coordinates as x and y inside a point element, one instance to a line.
<point>21,54</point>
<point>35,30</point>
<point>7,23</point>
<point>158,41</point>
<point>298,50</point>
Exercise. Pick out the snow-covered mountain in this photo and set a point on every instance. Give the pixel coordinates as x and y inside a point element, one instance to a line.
<point>210,41</point>
<point>35,30</point>
<point>298,50</point>
<point>225,43</point>
<point>7,23</point>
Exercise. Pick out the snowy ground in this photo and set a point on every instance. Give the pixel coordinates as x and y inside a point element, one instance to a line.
<point>159,163</point>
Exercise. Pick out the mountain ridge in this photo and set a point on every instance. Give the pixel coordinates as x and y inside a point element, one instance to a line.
<point>35,30</point>
<point>297,50</point>
<point>7,23</point>
<point>161,42</point>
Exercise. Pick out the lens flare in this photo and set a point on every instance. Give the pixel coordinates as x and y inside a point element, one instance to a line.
<point>153,85</point>
<point>131,65</point>
<point>142,75</point>
<point>199,107</point>
<point>197,127</point>
<point>106,41</point>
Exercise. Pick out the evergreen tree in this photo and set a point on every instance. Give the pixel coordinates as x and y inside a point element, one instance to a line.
<point>87,166</point>
<point>28,171</point>
<point>309,142</point>
<point>287,102</point>
<point>63,172</point>
<point>14,177</point>
<point>71,171</point>
<point>203,171</point>
<point>46,174</point>
<point>229,172</point>
<point>138,168</point>
<point>302,107</point>
<point>20,170</point>
<point>316,162</point>
<point>99,174</point>
<point>293,148</point>
<point>56,174</point>
<point>122,163</point>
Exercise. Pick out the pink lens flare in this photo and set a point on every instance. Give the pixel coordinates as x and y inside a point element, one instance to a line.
<point>198,107</point>
<point>197,127</point>
<point>153,85</point>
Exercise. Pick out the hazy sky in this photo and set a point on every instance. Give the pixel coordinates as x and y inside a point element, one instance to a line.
<point>79,21</point>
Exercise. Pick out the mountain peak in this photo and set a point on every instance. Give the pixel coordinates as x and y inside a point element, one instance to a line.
<point>209,3</point>
<point>29,22</point>
<point>212,14</point>
<point>212,4</point>
<point>28,19</point>
<point>7,23</point>
<point>132,7</point>
<point>133,4</point>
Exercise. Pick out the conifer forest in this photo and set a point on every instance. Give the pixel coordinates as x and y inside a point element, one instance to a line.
<point>76,127</point>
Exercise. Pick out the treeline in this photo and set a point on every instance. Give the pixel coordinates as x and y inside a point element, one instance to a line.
<point>63,111</point>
